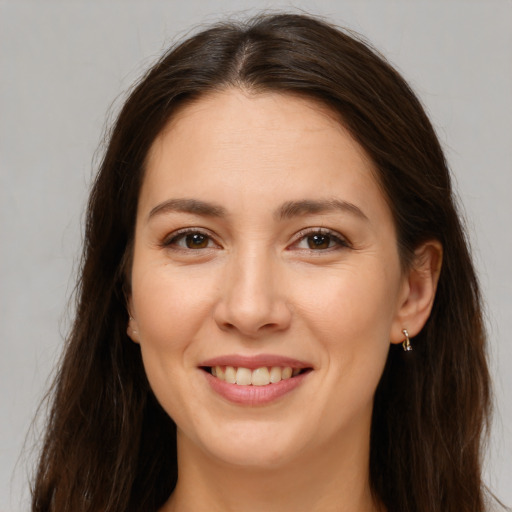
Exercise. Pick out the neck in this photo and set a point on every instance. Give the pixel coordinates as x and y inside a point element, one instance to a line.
<point>334,479</point>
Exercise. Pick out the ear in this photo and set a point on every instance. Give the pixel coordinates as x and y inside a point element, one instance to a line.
<point>132,329</point>
<point>418,291</point>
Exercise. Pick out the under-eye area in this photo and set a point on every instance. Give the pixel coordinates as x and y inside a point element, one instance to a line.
<point>262,376</point>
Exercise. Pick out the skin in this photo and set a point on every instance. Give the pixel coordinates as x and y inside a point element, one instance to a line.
<point>256,286</point>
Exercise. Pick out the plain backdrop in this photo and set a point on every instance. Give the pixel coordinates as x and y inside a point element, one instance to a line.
<point>64,69</point>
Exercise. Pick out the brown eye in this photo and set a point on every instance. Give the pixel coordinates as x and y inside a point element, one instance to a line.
<point>196,241</point>
<point>319,241</point>
<point>189,239</point>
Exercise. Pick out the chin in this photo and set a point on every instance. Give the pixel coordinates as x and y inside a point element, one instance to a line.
<point>253,444</point>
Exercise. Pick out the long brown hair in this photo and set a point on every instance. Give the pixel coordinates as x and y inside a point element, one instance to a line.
<point>109,445</point>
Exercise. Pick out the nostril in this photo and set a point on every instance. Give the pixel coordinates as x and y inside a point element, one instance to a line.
<point>251,313</point>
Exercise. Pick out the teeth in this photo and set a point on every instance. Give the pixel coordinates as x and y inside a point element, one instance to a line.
<point>230,375</point>
<point>287,373</point>
<point>275,374</point>
<point>243,376</point>
<point>219,372</point>
<point>258,377</point>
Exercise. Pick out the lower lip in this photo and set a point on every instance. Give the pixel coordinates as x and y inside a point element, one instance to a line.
<point>254,395</point>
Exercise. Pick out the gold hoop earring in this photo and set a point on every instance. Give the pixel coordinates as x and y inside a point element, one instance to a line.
<point>406,344</point>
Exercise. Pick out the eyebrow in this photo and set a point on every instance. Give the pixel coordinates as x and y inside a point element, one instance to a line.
<point>288,210</point>
<point>292,209</point>
<point>193,206</point>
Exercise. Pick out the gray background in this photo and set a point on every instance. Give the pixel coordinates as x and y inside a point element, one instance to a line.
<point>64,66</point>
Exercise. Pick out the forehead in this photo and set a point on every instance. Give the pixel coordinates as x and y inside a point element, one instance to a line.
<point>238,145</point>
<point>249,114</point>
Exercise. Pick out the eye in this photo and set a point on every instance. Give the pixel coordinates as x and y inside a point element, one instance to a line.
<point>321,240</point>
<point>190,239</point>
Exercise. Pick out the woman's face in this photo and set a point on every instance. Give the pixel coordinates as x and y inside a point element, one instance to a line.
<point>263,244</point>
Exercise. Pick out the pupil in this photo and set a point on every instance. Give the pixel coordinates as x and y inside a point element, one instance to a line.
<point>196,241</point>
<point>319,241</point>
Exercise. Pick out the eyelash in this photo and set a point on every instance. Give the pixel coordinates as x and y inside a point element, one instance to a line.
<point>338,242</point>
<point>172,241</point>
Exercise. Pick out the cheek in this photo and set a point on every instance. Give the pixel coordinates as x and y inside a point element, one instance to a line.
<point>350,305</point>
<point>350,314</point>
<point>171,310</point>
<point>170,304</point>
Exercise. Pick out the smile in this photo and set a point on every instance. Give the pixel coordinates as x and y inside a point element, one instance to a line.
<point>254,380</point>
<point>262,376</point>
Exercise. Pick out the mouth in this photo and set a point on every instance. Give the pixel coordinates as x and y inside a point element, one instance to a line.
<point>261,376</point>
<point>254,380</point>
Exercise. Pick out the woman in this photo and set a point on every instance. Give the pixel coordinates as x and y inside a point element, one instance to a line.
<point>272,230</point>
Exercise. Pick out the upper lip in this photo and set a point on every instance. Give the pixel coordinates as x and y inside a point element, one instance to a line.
<point>256,361</point>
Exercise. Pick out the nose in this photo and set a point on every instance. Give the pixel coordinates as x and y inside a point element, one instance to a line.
<point>252,298</point>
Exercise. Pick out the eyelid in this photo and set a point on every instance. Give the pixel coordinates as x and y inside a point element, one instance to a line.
<point>168,240</point>
<point>342,241</point>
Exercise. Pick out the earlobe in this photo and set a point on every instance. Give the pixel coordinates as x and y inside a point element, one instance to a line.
<point>419,290</point>
<point>132,329</point>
